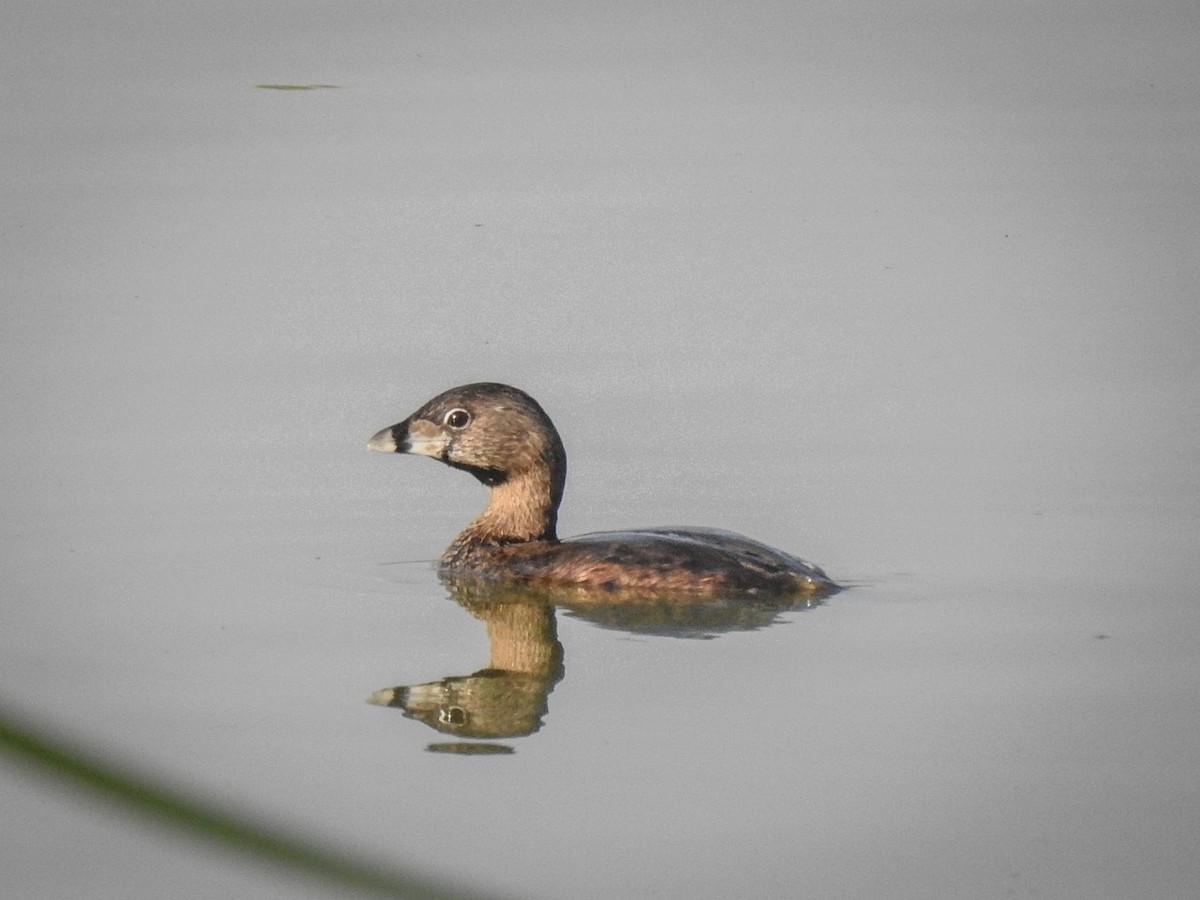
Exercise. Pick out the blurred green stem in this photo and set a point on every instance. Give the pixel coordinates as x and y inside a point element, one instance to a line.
<point>267,844</point>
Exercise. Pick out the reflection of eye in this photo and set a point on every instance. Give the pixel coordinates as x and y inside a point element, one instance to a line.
<point>457,418</point>
<point>452,715</point>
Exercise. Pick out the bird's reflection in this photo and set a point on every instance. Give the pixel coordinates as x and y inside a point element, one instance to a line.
<point>510,696</point>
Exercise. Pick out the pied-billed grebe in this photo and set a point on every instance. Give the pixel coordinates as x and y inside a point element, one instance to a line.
<point>503,437</point>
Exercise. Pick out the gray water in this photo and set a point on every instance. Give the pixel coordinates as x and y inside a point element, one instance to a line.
<point>907,289</point>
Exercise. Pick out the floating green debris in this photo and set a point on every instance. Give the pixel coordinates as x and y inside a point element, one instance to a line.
<point>298,87</point>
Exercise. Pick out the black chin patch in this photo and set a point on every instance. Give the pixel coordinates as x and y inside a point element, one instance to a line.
<point>490,477</point>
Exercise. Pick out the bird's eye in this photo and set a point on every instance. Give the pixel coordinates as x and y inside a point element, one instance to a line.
<point>457,419</point>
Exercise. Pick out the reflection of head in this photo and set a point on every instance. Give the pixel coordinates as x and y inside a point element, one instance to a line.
<point>488,704</point>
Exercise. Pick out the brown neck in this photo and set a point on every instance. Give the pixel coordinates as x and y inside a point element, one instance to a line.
<point>524,508</point>
<point>522,638</point>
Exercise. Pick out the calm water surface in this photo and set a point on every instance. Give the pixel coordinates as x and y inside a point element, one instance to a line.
<point>908,293</point>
